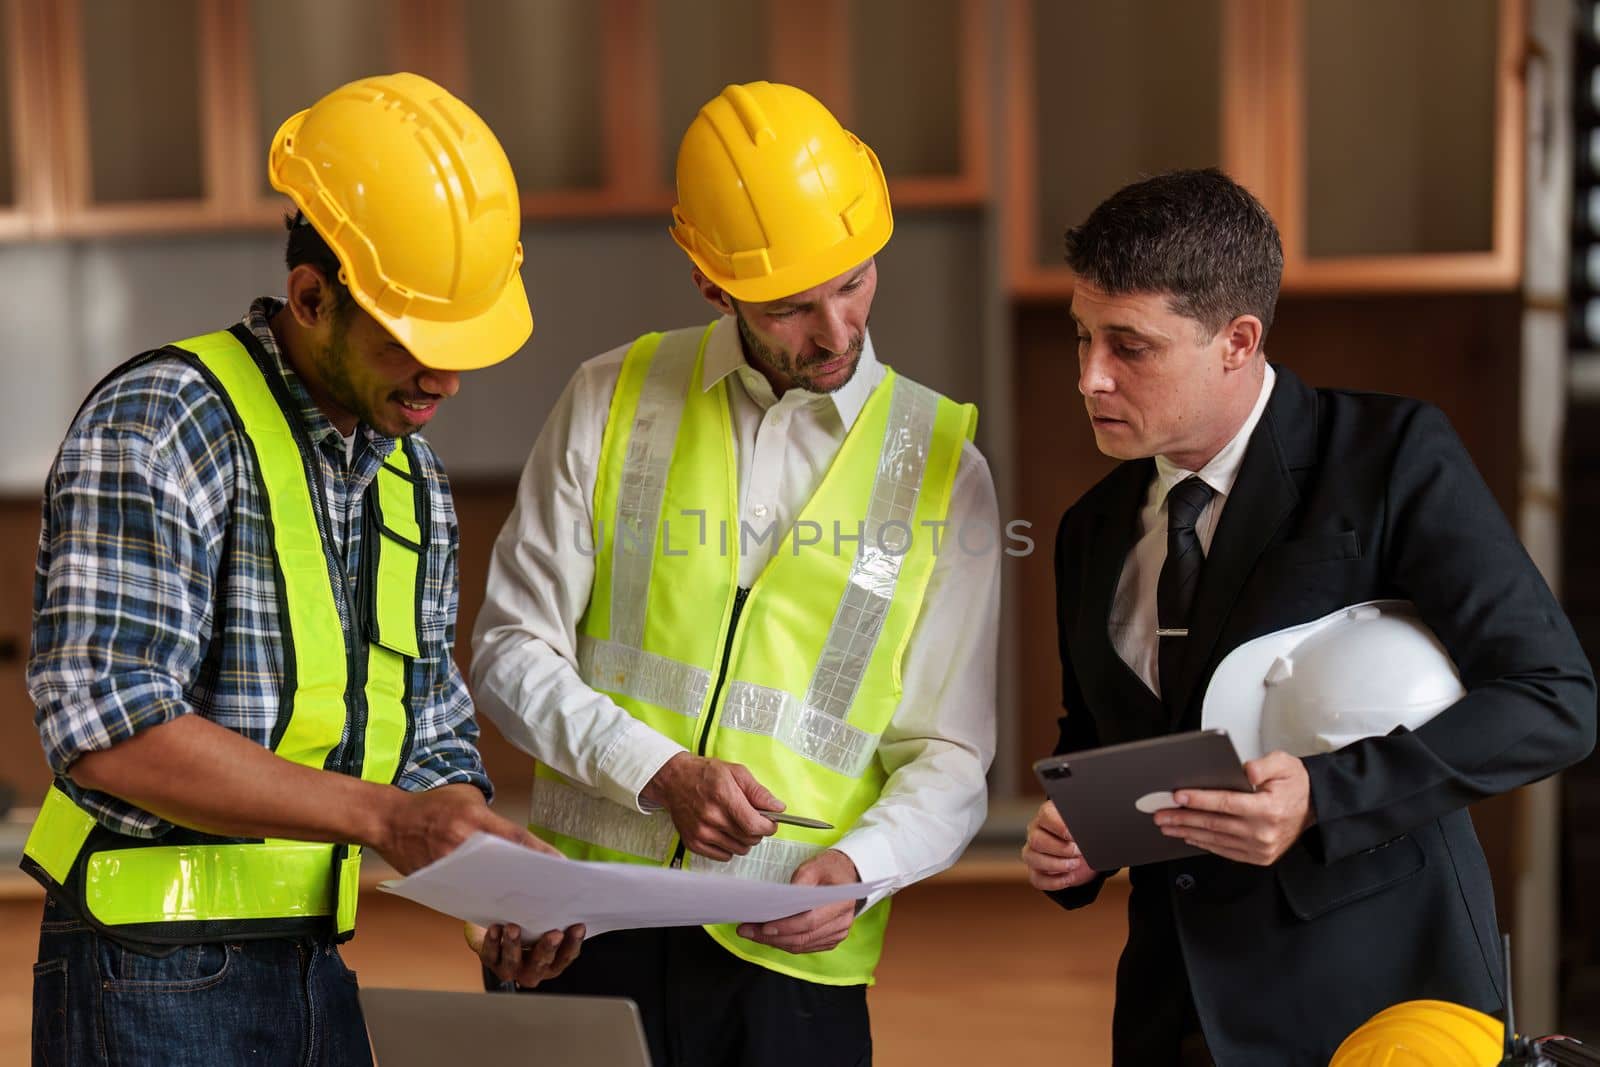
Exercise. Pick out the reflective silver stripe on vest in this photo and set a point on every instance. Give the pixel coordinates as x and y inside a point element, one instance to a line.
<point>773,860</point>
<point>568,810</point>
<point>644,483</point>
<point>633,672</point>
<point>865,604</point>
<point>819,737</point>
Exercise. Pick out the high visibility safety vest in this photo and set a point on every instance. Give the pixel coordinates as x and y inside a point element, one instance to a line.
<point>188,886</point>
<point>795,677</point>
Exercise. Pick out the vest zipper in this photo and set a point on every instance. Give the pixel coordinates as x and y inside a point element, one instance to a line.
<point>739,597</point>
<point>355,665</point>
<point>362,608</point>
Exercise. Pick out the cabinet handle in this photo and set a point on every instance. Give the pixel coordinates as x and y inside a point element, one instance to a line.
<point>10,649</point>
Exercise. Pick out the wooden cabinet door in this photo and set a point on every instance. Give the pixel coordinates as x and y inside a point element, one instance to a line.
<point>537,74</point>
<point>1402,128</point>
<point>288,55</point>
<point>12,218</point>
<point>139,99</point>
<point>22,764</point>
<point>918,74</point>
<point>1100,95</point>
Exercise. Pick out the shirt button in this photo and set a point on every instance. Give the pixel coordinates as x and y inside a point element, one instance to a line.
<point>759,511</point>
<point>1184,882</point>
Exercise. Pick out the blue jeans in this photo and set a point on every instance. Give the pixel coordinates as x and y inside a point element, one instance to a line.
<point>97,1003</point>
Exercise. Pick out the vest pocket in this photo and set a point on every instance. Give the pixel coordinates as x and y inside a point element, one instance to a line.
<point>1312,889</point>
<point>393,575</point>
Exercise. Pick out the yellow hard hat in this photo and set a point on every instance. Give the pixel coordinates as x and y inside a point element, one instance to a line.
<point>1424,1033</point>
<point>414,194</point>
<point>774,196</point>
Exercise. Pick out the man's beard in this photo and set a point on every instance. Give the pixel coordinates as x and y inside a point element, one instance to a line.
<point>785,363</point>
<point>337,367</point>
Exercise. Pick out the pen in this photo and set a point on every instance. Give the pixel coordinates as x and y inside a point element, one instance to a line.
<point>796,820</point>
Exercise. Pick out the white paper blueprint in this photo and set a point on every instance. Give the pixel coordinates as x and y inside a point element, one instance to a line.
<point>489,880</point>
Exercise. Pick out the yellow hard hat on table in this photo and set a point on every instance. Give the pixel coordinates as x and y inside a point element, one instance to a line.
<point>1424,1033</point>
<point>774,196</point>
<point>413,193</point>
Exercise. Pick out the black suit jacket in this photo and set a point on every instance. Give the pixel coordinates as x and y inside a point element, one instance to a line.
<point>1342,497</point>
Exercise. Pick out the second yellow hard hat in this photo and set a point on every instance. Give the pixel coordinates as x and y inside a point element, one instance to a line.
<point>774,196</point>
<point>1424,1033</point>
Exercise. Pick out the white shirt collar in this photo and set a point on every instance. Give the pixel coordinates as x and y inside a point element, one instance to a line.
<point>1223,469</point>
<point>725,356</point>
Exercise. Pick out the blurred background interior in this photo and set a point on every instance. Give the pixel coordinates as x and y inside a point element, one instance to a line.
<point>1429,162</point>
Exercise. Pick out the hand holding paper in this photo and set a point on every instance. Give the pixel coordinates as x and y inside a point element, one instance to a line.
<point>502,950</point>
<point>821,928</point>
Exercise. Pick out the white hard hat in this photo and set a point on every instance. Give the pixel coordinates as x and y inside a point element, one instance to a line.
<point>1358,672</point>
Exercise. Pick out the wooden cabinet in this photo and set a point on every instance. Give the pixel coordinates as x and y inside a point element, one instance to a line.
<point>1384,135</point>
<point>1098,96</point>
<point>24,175</point>
<point>22,763</point>
<point>157,116</point>
<point>591,98</point>
<point>533,73</point>
<point>9,157</point>
<point>701,46</point>
<point>136,115</point>
<point>917,71</point>
<point>331,44</point>
<point>136,89</point>
<point>1402,131</point>
<point>561,84</point>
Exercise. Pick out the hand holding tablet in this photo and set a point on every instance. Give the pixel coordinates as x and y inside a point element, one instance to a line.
<point>1107,796</point>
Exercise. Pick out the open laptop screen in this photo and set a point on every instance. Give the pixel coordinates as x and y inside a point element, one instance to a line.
<point>427,1028</point>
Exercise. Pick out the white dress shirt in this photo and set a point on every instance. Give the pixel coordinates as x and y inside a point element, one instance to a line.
<point>1133,609</point>
<point>939,744</point>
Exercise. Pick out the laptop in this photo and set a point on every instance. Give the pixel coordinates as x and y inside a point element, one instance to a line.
<point>427,1028</point>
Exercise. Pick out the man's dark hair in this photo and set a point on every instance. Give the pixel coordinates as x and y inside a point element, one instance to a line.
<point>305,245</point>
<point>1196,235</point>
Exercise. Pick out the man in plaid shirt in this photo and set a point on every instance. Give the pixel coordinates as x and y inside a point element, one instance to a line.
<point>192,914</point>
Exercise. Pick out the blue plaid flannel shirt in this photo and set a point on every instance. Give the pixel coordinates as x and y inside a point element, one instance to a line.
<point>154,594</point>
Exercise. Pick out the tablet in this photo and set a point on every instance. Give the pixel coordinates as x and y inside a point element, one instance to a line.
<point>1108,795</point>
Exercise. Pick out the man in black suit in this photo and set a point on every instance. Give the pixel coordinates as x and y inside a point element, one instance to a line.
<point>1351,880</point>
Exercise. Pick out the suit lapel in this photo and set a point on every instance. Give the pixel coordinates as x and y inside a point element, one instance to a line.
<point>1263,496</point>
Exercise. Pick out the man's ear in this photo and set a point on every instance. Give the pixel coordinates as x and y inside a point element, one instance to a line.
<point>311,298</point>
<point>1241,342</point>
<point>714,294</point>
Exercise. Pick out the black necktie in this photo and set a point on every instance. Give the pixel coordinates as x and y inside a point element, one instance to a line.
<point>1180,575</point>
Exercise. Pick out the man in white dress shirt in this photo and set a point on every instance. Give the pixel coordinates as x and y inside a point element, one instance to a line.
<point>749,566</point>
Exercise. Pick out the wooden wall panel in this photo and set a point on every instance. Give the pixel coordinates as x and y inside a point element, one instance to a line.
<point>1057,463</point>
<point>482,507</point>
<point>22,765</point>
